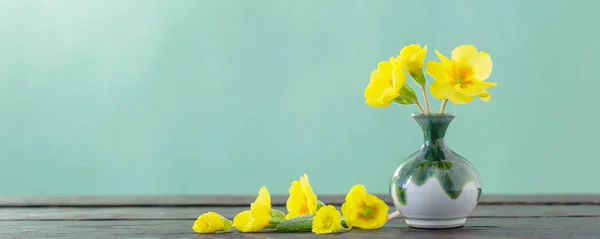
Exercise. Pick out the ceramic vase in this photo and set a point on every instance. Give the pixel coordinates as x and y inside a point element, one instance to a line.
<point>435,187</point>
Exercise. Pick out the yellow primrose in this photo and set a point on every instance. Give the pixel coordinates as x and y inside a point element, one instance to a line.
<point>259,215</point>
<point>462,77</point>
<point>211,222</point>
<point>364,210</point>
<point>385,84</point>
<point>327,220</point>
<point>412,58</point>
<point>302,199</point>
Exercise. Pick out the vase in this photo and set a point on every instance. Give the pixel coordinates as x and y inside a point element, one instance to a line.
<point>435,187</point>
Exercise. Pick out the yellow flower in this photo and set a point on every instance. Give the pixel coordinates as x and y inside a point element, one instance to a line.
<point>364,210</point>
<point>412,58</point>
<point>302,199</point>
<point>211,222</point>
<point>462,77</point>
<point>259,215</point>
<point>327,220</point>
<point>385,83</point>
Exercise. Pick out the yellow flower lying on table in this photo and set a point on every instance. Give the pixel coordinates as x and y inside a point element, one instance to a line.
<point>462,77</point>
<point>302,199</point>
<point>307,214</point>
<point>259,215</point>
<point>327,220</point>
<point>363,210</point>
<point>211,222</point>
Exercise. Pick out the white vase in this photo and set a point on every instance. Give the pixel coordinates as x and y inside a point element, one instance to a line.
<point>435,187</point>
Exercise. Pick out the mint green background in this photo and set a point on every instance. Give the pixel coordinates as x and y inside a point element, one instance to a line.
<point>220,97</point>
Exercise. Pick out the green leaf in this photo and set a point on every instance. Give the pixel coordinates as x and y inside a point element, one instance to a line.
<point>407,96</point>
<point>227,225</point>
<point>320,204</point>
<point>419,78</point>
<point>277,217</point>
<point>274,222</point>
<point>296,224</point>
<point>344,223</point>
<point>277,213</point>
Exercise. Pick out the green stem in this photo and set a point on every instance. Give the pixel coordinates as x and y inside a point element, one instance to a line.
<point>444,103</point>
<point>420,107</point>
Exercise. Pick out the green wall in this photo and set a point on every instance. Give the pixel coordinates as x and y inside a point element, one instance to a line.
<point>220,97</point>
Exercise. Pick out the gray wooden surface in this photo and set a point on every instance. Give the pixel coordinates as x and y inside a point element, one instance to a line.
<point>549,216</point>
<point>111,201</point>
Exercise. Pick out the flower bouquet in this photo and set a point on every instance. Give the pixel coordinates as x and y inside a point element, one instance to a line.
<point>434,187</point>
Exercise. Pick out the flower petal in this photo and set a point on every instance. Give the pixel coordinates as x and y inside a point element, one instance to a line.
<point>380,211</point>
<point>474,87</point>
<point>443,59</point>
<point>211,222</point>
<point>440,90</point>
<point>414,63</point>
<point>447,91</point>
<point>311,198</point>
<point>459,98</point>
<point>410,50</point>
<point>438,71</point>
<point>481,65</point>
<point>260,216</point>
<point>352,213</point>
<point>377,103</point>
<point>464,52</point>
<point>201,225</point>
<point>263,196</point>
<point>295,201</point>
<point>389,95</point>
<point>486,97</point>
<point>398,79</point>
<point>374,91</point>
<point>327,220</point>
<point>356,194</point>
<point>242,221</point>
<point>421,55</point>
<point>385,67</point>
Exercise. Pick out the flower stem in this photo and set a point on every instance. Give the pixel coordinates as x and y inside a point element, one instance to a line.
<point>444,103</point>
<point>420,107</point>
<point>426,100</point>
<point>393,215</point>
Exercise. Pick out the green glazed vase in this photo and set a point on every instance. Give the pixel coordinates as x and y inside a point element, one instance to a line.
<point>435,187</point>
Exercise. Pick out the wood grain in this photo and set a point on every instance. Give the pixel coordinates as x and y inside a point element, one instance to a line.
<point>539,216</point>
<point>476,228</point>
<point>191,213</point>
<point>240,200</point>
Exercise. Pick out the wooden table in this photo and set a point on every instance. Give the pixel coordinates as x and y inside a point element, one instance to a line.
<point>551,216</point>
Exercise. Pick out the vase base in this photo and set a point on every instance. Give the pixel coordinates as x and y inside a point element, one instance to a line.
<point>435,223</point>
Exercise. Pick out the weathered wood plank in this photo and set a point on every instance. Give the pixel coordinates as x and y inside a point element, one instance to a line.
<point>480,228</point>
<point>111,201</point>
<point>191,213</point>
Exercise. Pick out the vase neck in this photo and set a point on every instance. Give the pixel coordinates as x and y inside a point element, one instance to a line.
<point>434,128</point>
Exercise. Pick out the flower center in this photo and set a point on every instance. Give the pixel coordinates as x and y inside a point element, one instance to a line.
<point>368,213</point>
<point>303,209</point>
<point>461,73</point>
<point>328,222</point>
